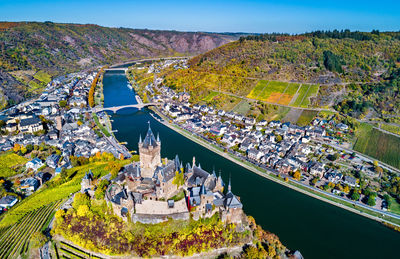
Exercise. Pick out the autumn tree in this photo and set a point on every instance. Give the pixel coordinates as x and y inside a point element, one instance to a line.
<point>80,199</point>
<point>17,147</point>
<point>297,175</point>
<point>179,178</point>
<point>114,168</point>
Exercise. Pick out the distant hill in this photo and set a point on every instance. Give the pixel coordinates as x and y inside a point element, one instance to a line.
<point>308,57</point>
<point>369,60</point>
<point>53,49</point>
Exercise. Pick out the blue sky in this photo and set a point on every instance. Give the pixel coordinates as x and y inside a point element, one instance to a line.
<point>217,16</point>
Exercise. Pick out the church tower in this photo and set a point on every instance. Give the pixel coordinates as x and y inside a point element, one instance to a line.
<point>150,153</point>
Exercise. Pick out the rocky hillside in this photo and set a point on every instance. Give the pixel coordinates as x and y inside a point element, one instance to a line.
<point>53,49</point>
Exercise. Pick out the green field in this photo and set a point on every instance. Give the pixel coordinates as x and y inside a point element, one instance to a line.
<point>301,94</point>
<point>210,96</point>
<point>42,77</point>
<point>312,91</point>
<point>379,145</point>
<point>306,117</point>
<point>243,107</point>
<point>9,160</point>
<point>258,89</point>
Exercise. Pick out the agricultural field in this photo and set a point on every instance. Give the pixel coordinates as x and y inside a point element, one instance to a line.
<point>279,114</point>
<point>243,107</point>
<point>8,161</point>
<point>312,91</point>
<point>14,240</point>
<point>42,77</point>
<point>306,117</point>
<point>379,145</point>
<point>301,95</point>
<point>269,91</point>
<point>258,89</point>
<point>210,96</point>
<point>273,92</point>
<point>289,93</point>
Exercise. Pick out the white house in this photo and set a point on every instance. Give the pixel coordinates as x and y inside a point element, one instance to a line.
<point>34,164</point>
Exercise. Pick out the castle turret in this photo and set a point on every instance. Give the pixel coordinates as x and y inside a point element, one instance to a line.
<point>150,153</point>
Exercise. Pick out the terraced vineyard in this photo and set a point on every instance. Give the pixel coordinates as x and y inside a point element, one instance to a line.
<point>14,240</point>
<point>69,251</point>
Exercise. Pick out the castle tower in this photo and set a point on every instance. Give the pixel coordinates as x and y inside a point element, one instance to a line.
<point>150,153</point>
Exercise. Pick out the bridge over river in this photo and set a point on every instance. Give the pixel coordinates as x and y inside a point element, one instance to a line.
<point>117,108</point>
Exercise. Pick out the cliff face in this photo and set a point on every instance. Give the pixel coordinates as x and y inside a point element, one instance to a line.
<point>60,48</point>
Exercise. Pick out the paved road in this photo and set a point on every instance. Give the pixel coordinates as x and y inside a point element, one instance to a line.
<point>44,251</point>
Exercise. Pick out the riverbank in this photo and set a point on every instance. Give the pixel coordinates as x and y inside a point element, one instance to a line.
<point>290,184</point>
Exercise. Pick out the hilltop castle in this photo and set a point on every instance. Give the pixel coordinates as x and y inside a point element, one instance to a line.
<point>154,189</point>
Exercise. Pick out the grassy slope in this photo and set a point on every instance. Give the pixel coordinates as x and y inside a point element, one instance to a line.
<point>9,160</point>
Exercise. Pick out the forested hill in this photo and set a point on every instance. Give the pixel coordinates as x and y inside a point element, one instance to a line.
<point>53,49</point>
<point>317,57</point>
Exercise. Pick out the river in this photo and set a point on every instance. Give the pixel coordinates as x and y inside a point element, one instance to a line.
<point>317,229</point>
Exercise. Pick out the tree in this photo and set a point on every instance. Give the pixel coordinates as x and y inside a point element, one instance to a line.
<point>346,189</point>
<point>63,103</point>
<point>378,170</point>
<point>83,210</point>
<point>297,175</point>
<point>355,196</point>
<point>80,199</point>
<point>371,200</point>
<point>278,138</point>
<point>17,147</point>
<point>375,163</point>
<point>2,123</point>
<point>38,239</point>
<point>315,180</point>
<point>101,189</point>
<point>114,168</point>
<point>179,178</point>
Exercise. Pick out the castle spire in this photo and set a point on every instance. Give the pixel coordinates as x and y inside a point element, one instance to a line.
<point>140,139</point>
<point>229,185</point>
<point>158,137</point>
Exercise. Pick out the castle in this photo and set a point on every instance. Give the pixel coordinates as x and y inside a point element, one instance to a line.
<point>154,189</point>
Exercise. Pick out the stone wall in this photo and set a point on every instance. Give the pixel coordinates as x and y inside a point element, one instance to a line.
<point>155,219</point>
